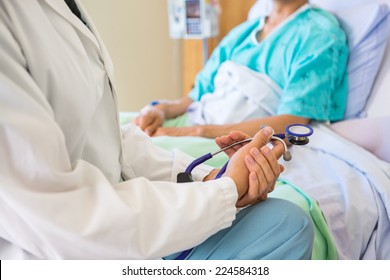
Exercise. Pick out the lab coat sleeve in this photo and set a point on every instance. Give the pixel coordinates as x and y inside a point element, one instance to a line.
<point>159,164</point>
<point>52,208</point>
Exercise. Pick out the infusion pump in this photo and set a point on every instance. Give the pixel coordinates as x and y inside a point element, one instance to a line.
<point>193,19</point>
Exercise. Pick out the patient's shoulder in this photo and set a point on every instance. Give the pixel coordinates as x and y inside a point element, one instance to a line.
<point>324,21</point>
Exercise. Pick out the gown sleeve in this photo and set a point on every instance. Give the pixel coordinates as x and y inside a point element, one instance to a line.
<point>317,82</point>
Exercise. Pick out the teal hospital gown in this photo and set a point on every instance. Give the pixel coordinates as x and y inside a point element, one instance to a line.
<point>306,56</point>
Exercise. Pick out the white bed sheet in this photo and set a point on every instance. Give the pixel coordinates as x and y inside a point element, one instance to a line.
<point>352,187</point>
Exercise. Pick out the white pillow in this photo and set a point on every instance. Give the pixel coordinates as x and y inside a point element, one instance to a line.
<point>367,27</point>
<point>334,5</point>
<point>379,100</point>
<point>260,8</point>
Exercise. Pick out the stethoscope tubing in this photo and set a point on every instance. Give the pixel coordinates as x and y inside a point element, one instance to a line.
<point>208,156</point>
<point>293,137</point>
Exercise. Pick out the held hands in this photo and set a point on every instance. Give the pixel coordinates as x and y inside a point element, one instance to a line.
<point>253,167</point>
<point>233,137</point>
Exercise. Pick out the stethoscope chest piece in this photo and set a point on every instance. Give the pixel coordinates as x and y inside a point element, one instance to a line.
<point>298,134</point>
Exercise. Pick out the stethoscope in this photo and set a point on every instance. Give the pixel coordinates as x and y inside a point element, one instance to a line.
<point>296,134</point>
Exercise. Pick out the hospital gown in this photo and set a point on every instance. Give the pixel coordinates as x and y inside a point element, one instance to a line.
<point>306,56</point>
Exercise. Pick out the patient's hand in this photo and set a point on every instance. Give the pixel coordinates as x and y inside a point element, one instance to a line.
<point>150,120</point>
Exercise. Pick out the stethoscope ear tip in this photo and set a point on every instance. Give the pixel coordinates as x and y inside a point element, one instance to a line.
<point>287,156</point>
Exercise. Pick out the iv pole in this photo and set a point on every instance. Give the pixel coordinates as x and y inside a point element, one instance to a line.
<point>205,49</point>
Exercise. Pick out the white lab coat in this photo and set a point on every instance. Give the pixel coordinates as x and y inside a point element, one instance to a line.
<point>72,185</point>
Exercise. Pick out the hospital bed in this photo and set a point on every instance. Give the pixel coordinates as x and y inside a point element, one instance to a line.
<point>341,180</point>
<point>352,184</point>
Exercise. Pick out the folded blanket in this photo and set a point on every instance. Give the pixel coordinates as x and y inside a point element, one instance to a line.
<point>242,94</point>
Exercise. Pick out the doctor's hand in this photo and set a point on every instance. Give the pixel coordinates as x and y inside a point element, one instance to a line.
<point>254,168</point>
<point>150,119</point>
<point>233,137</point>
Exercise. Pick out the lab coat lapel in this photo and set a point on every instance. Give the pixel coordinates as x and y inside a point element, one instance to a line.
<point>61,8</point>
<point>106,56</point>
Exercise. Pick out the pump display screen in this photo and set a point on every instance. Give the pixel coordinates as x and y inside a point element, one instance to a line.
<point>193,20</point>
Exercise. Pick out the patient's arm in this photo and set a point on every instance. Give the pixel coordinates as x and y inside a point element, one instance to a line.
<point>249,127</point>
<point>174,108</point>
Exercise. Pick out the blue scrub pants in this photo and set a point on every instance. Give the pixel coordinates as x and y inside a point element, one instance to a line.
<point>274,229</point>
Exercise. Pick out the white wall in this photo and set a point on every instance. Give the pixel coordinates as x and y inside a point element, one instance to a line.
<point>147,62</point>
